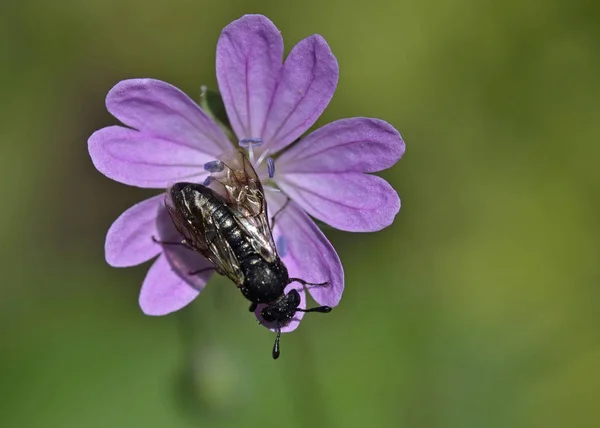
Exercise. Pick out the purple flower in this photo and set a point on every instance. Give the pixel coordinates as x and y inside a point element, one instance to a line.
<point>168,138</point>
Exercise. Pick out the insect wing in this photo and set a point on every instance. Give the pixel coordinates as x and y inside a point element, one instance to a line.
<point>194,221</point>
<point>243,193</point>
<point>192,231</point>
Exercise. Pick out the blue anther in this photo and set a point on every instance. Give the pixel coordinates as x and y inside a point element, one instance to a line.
<point>207,181</point>
<point>247,142</point>
<point>281,245</point>
<point>214,166</point>
<point>271,167</point>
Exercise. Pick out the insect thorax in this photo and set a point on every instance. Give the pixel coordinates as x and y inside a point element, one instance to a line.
<point>264,281</point>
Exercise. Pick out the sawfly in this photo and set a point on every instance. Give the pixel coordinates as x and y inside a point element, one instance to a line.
<point>225,219</point>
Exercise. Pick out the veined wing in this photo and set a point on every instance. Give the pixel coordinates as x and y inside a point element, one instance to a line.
<point>192,207</point>
<point>242,191</point>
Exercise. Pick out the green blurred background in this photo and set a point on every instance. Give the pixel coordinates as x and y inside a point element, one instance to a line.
<point>479,307</point>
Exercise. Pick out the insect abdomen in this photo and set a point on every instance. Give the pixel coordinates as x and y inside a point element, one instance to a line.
<point>236,238</point>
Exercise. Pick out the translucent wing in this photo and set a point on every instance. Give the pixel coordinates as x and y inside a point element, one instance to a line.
<point>242,191</point>
<point>191,207</point>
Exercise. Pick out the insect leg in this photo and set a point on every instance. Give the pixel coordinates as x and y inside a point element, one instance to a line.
<point>303,282</point>
<point>276,344</point>
<point>279,212</point>
<point>253,306</point>
<point>156,241</point>
<point>320,309</point>
<point>197,272</point>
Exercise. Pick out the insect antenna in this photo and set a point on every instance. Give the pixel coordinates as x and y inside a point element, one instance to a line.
<point>276,344</point>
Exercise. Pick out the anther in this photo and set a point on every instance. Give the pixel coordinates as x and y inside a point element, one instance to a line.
<point>271,167</point>
<point>207,181</point>
<point>281,245</point>
<point>214,166</point>
<point>250,142</point>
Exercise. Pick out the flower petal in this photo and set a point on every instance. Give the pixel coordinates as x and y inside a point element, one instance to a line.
<point>358,144</point>
<point>349,201</point>
<point>129,238</point>
<point>308,254</point>
<point>164,291</point>
<point>162,111</point>
<point>138,159</point>
<point>295,322</point>
<point>168,285</point>
<point>249,57</point>
<point>304,88</point>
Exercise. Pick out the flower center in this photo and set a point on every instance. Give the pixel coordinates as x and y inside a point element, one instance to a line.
<point>249,144</point>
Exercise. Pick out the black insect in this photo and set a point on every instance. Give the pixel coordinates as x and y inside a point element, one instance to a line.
<point>225,219</point>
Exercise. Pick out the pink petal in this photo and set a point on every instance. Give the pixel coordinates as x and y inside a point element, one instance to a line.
<point>129,239</point>
<point>164,291</point>
<point>357,144</point>
<point>304,88</point>
<point>308,253</point>
<point>350,201</point>
<point>161,111</point>
<point>143,160</point>
<point>249,57</point>
<point>295,322</point>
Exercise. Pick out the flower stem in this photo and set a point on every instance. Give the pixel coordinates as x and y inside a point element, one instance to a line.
<point>309,401</point>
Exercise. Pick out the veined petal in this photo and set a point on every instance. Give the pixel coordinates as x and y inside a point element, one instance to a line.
<point>249,57</point>
<point>294,322</point>
<point>308,254</point>
<point>304,88</point>
<point>350,201</point>
<point>358,144</point>
<point>139,159</point>
<point>163,291</point>
<point>159,109</point>
<point>129,239</point>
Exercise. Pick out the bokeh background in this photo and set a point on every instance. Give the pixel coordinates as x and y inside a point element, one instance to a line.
<point>479,307</point>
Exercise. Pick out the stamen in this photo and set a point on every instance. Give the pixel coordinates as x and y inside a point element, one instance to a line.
<point>271,167</point>
<point>262,158</point>
<point>207,181</point>
<point>271,188</point>
<point>214,166</point>
<point>250,143</point>
<point>281,245</point>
